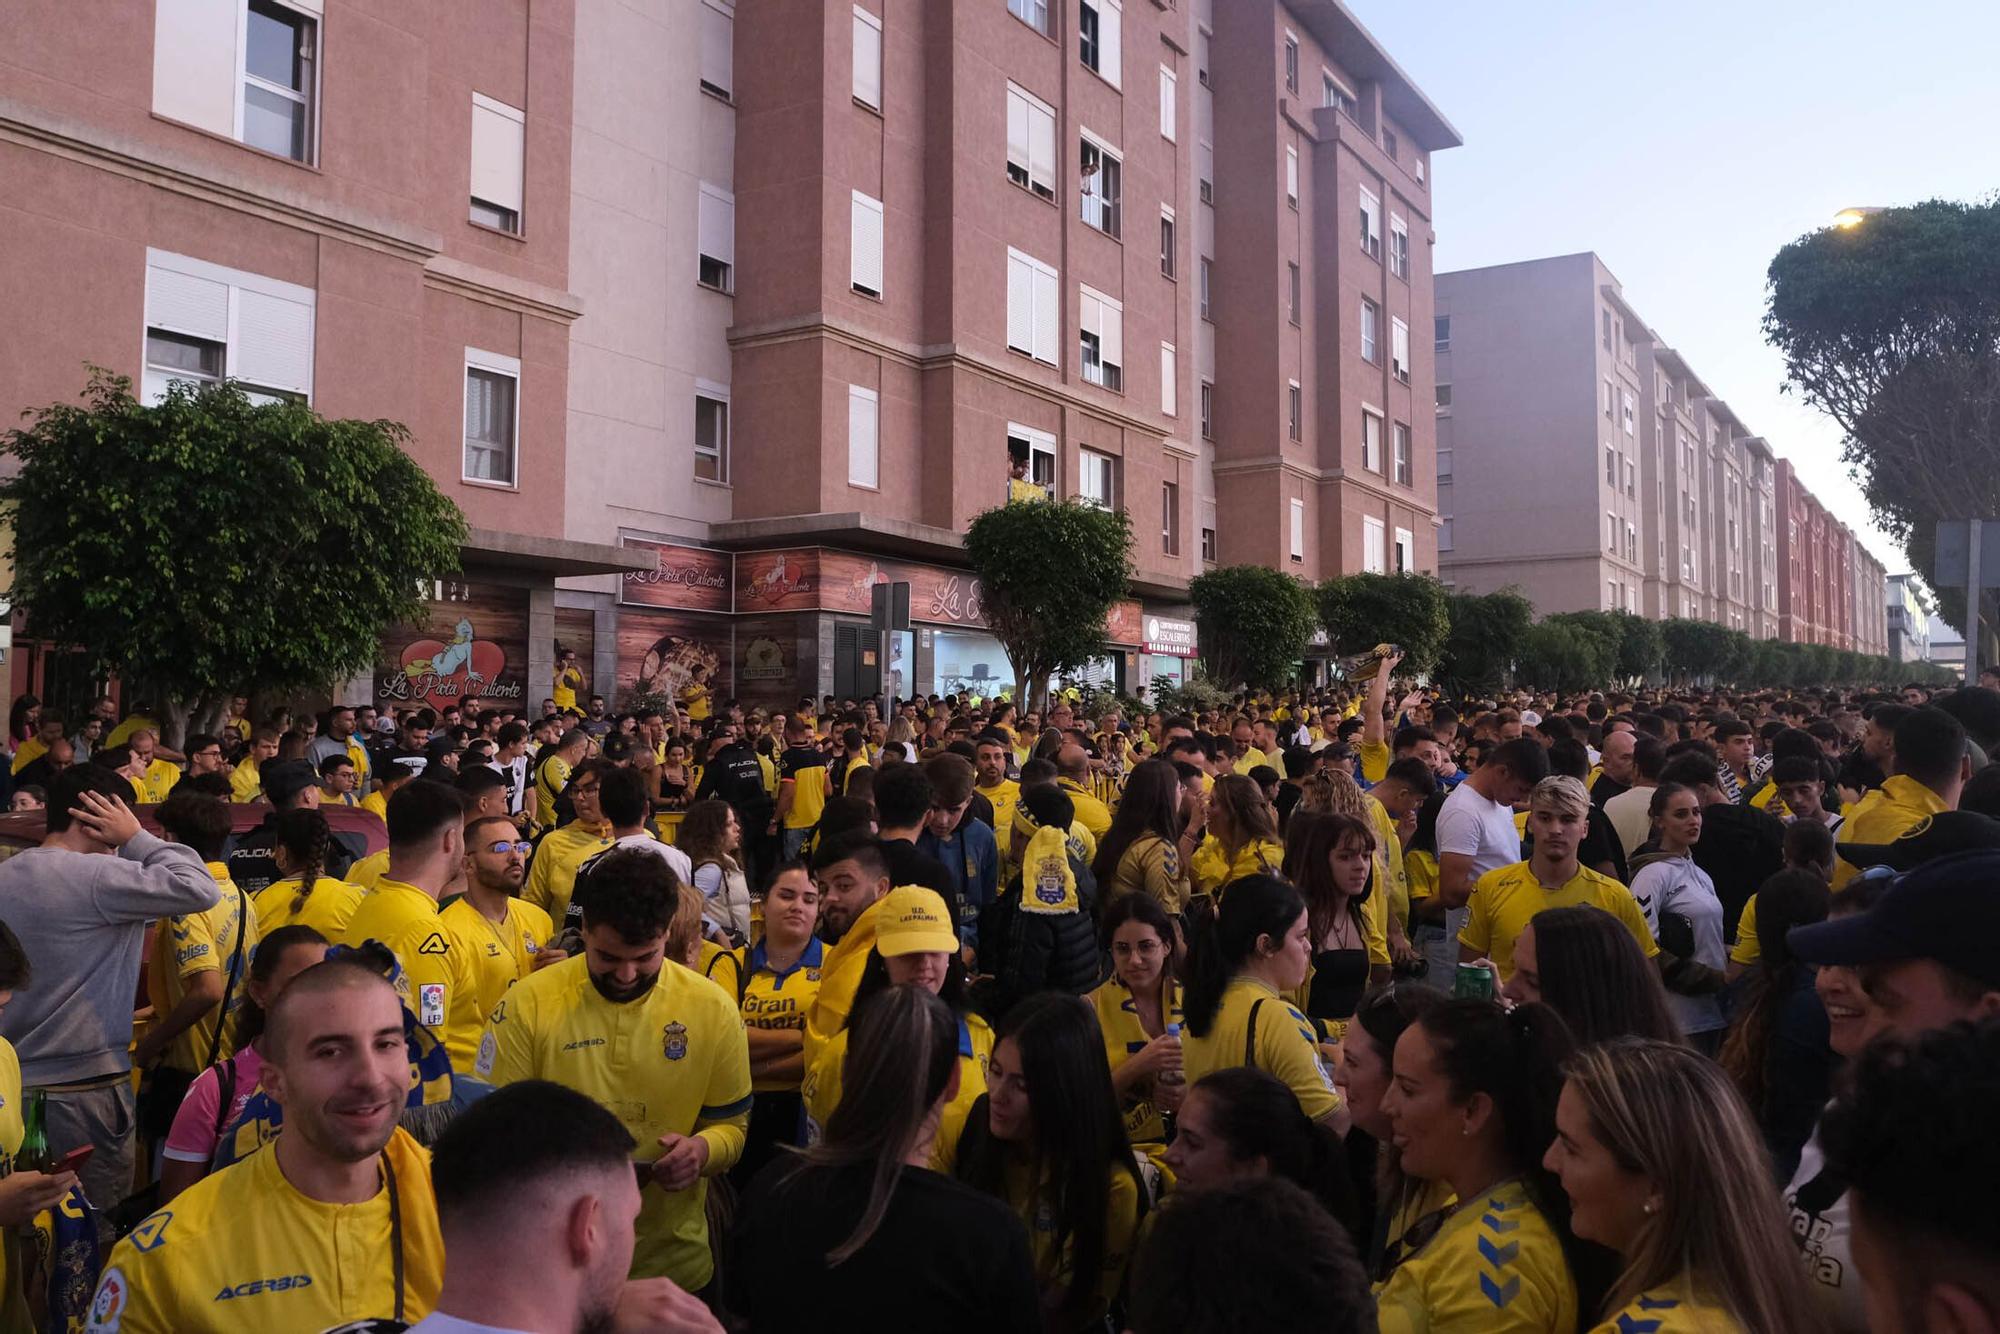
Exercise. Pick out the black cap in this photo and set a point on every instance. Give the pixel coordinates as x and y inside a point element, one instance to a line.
<point>1947,910</point>
<point>283,780</point>
<point>1934,836</point>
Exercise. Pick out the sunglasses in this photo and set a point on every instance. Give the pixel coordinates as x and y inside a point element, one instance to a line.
<point>505,846</point>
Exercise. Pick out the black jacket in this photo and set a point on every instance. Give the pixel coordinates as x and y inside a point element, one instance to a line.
<point>1026,952</point>
<point>252,868</point>
<point>1741,847</point>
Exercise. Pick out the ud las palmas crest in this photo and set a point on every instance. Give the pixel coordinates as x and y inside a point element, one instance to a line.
<point>674,1040</point>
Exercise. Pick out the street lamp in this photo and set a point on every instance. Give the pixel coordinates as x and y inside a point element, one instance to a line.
<point>1853,217</point>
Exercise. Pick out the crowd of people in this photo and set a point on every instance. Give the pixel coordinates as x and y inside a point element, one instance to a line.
<point>1355,1008</point>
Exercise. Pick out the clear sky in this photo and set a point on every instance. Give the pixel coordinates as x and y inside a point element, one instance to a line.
<point>1686,143</point>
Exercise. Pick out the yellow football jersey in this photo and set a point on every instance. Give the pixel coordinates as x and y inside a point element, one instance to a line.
<point>443,982</point>
<point>219,940</point>
<point>502,952</point>
<point>1283,1045</point>
<point>1124,1037</point>
<point>327,910</point>
<point>975,1052</point>
<point>1495,1267</point>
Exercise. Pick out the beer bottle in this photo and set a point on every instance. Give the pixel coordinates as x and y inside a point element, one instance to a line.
<point>34,1155</point>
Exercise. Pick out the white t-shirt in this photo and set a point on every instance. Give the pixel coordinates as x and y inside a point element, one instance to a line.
<point>666,852</point>
<point>1630,813</point>
<point>1823,1229</point>
<point>1677,885</point>
<point>1473,826</point>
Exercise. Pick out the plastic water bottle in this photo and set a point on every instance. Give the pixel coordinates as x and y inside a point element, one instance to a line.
<point>1173,1077</point>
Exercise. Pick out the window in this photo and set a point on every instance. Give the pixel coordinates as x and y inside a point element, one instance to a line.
<point>1292,289</point>
<point>1371,441</point>
<point>497,141</point>
<point>1166,243</point>
<point>1332,94</point>
<point>279,51</point>
<point>1102,173</point>
<point>1371,337</point>
<point>1404,470</point>
<point>867,58</point>
<point>1041,451</point>
<point>1169,103</point>
<point>1097,479</point>
<point>1444,535</point>
<point>1374,541</point>
<point>207,322</point>
<point>1099,41</point>
<point>1101,333</point>
<point>1371,224</point>
<point>1610,467</point>
<point>1294,410</point>
<point>1610,401</point>
<point>718,48</point>
<point>1611,533</point>
<point>1291,63</point>
<point>1406,551</point>
<point>1417,165</point>
<point>1031,142</point>
<point>1399,349</point>
<point>1607,329</point>
<point>1444,398</point>
<point>1390,145</point>
<point>1298,531</point>
<point>1034,13</point>
<point>1631,480</point>
<point>1292,175</point>
<point>1208,545</point>
<point>1399,247</point>
<point>863,437</point>
<point>1207,285</point>
<point>1631,418</point>
<point>1205,165</point>
<point>1441,333</point>
<point>1203,40</point>
<point>865,245</point>
<point>716,223</point>
<point>1169,380</point>
<point>1631,542</point>
<point>492,394</point>
<point>1611,593</point>
<point>1033,324</point>
<point>1207,410</point>
<point>1444,466</point>
<point>1170,518</point>
<point>711,434</point>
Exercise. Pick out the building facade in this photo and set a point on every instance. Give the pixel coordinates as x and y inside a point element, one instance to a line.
<point>366,208</point>
<point>1908,621</point>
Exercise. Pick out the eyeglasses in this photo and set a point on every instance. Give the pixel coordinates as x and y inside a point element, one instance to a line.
<point>505,846</point>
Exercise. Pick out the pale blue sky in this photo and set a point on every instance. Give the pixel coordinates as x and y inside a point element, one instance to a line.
<point>1687,142</point>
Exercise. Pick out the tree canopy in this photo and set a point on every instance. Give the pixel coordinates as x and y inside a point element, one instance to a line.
<point>1049,573</point>
<point>1408,610</point>
<point>1487,630</point>
<point>1562,655</point>
<point>210,545</point>
<point>1254,623</point>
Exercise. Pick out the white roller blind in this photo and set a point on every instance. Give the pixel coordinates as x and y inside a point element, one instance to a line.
<point>1048,320</point>
<point>1374,536</point>
<point>1299,529</point>
<point>863,439</point>
<point>1292,173</point>
<point>1169,377</point>
<point>1020,302</point>
<point>497,137</point>
<point>196,72</point>
<point>717,224</point>
<point>867,58</point>
<point>274,342</point>
<point>718,42</point>
<point>1042,147</point>
<point>1110,29</point>
<point>184,303</point>
<point>1112,331</point>
<point>1017,126</point>
<point>865,243</point>
<point>1169,102</point>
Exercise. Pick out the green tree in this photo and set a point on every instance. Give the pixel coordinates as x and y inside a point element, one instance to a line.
<point>1408,610</point>
<point>1485,637</point>
<point>1254,623</point>
<point>1560,655</point>
<point>1700,650</point>
<point>1603,630</point>
<point>1892,328</point>
<point>1640,647</point>
<point>209,545</point>
<point>1048,576</point>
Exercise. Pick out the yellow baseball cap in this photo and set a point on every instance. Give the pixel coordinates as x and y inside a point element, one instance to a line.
<point>914,920</point>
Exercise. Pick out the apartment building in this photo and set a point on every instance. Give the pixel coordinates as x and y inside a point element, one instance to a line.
<point>364,207</point>
<point>1871,622</point>
<point>1908,621</point>
<point>1831,590</point>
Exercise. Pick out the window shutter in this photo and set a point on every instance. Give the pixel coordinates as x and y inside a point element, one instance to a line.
<point>274,342</point>
<point>1291,173</point>
<point>867,58</point>
<point>1113,333</point>
<point>497,141</point>
<point>1047,318</point>
<point>1089,313</point>
<point>718,43</point>
<point>197,75</point>
<point>865,245</point>
<point>717,224</point>
<point>1018,132</point>
<point>1168,103</point>
<point>1020,303</point>
<point>1168,377</point>
<point>184,303</point>
<point>863,439</point>
<point>1299,529</point>
<point>1042,146</point>
<point>1110,25</point>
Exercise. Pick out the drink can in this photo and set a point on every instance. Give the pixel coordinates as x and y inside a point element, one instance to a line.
<point>1474,981</point>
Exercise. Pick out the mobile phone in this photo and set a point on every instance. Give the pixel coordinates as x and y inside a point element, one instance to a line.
<point>73,1161</point>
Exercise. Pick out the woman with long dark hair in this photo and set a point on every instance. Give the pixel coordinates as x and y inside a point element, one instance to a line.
<point>1331,858</point>
<point>1242,837</point>
<point>1139,1014</point>
<point>1138,852</point>
<point>1047,1138</point>
<point>1662,1163</point>
<point>303,892</point>
<point>712,837</point>
<point>1243,960</point>
<point>856,1223</point>
<point>1777,1052</point>
<point>1583,964</point>
<point>1681,907</point>
<point>1473,1107</point>
<point>1239,1124</point>
<point>1388,1202</point>
<point>777,979</point>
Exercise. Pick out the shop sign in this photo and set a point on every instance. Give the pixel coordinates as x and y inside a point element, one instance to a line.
<point>1169,636</point>
<point>470,647</point>
<point>688,579</point>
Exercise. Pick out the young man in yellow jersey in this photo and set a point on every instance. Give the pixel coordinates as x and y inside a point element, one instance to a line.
<point>1931,768</point>
<point>804,783</point>
<point>853,876</point>
<point>552,874</point>
<point>334,1223</point>
<point>426,855</point>
<point>659,1045</point>
<point>695,696</point>
<point>506,937</point>
<point>552,773</point>
<point>568,680</point>
<point>48,731</point>
<point>990,759</point>
<point>244,783</point>
<point>338,781</point>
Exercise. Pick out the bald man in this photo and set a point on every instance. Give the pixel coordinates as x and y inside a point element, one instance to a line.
<point>1616,762</point>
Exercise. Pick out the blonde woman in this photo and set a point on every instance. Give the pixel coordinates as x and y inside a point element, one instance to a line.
<point>900,743</point>
<point>1662,1163</point>
<point>1242,836</point>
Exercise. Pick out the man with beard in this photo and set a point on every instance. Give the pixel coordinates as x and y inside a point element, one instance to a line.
<point>334,1223</point>
<point>853,874</point>
<point>659,1045</point>
<point>506,1188</point>
<point>506,938</point>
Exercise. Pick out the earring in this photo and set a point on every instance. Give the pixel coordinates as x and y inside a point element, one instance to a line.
<point>1649,1208</point>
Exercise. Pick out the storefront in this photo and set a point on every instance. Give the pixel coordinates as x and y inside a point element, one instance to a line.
<point>1170,650</point>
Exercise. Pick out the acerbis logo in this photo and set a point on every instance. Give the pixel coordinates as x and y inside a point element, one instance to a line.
<point>262,1285</point>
